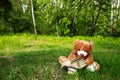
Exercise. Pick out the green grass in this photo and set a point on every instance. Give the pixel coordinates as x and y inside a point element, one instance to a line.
<point>35,57</point>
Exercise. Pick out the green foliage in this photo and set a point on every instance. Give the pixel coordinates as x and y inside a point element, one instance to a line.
<point>116,31</point>
<point>62,18</point>
<point>64,26</point>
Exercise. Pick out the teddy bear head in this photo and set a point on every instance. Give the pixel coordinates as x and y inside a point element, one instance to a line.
<point>83,46</point>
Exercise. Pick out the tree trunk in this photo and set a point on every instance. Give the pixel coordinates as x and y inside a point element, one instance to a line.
<point>33,17</point>
<point>72,26</point>
<point>55,2</point>
<point>18,4</point>
<point>95,21</point>
<point>112,20</point>
<point>117,12</point>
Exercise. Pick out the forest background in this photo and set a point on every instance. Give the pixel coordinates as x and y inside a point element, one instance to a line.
<point>60,17</point>
<point>24,55</point>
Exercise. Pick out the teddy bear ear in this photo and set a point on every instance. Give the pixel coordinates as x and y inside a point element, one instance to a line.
<point>75,43</point>
<point>91,45</point>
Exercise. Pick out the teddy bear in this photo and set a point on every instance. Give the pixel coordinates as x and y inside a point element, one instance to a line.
<point>81,45</point>
<point>82,52</point>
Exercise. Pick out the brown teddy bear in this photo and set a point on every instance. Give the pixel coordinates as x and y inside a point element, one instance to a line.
<point>80,57</point>
<point>81,45</point>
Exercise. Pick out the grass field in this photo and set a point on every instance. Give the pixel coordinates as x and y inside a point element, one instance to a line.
<point>35,57</point>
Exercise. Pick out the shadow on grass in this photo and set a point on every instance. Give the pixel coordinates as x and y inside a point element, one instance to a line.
<point>43,65</point>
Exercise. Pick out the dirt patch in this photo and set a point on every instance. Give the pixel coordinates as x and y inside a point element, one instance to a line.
<point>8,58</point>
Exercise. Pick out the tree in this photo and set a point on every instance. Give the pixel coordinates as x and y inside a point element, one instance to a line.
<point>112,19</point>
<point>61,17</point>
<point>33,17</point>
<point>115,4</point>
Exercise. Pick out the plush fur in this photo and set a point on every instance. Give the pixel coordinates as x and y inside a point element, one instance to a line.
<point>81,45</point>
<point>83,51</point>
<point>77,64</point>
<point>93,67</point>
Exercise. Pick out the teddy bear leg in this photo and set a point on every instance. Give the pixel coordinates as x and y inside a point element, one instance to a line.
<point>93,67</point>
<point>64,61</point>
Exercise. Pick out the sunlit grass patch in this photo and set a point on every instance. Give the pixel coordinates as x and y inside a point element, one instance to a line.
<point>29,57</point>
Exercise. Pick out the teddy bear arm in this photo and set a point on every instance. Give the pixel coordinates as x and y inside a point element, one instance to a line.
<point>89,60</point>
<point>72,56</point>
